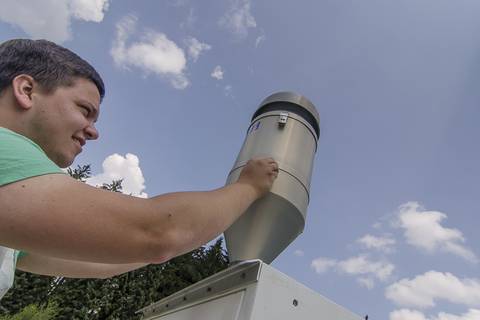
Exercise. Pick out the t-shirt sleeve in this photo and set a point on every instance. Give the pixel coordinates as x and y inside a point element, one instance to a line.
<point>21,158</point>
<point>20,254</point>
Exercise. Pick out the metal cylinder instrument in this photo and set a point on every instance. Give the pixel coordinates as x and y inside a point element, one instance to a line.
<point>286,127</point>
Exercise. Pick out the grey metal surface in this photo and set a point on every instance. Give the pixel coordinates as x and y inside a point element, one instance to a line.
<point>236,276</point>
<point>279,297</point>
<point>251,290</point>
<point>273,222</point>
<point>265,230</point>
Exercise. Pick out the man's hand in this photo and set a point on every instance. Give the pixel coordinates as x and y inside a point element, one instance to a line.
<point>260,174</point>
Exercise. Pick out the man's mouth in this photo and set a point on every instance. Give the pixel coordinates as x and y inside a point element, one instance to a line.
<point>80,141</point>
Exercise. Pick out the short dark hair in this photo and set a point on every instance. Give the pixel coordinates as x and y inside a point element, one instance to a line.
<point>48,63</point>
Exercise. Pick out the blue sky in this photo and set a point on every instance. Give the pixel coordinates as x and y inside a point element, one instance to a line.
<point>392,225</point>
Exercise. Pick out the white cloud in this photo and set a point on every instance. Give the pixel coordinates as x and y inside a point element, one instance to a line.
<point>238,18</point>
<point>361,266</point>
<point>51,19</point>
<point>228,90</point>
<point>377,225</point>
<point>406,314</point>
<point>424,290</point>
<point>321,264</point>
<point>384,244</point>
<point>368,283</point>
<point>259,40</point>
<point>116,167</point>
<point>89,10</point>
<point>299,253</point>
<point>155,53</point>
<point>190,21</point>
<point>179,3</point>
<point>217,73</point>
<point>472,314</point>
<point>423,229</point>
<point>195,48</point>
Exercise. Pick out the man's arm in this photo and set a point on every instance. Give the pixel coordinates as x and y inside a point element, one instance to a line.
<point>49,266</point>
<point>56,216</point>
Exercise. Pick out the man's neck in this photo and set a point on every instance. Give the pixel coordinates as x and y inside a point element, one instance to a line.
<point>10,116</point>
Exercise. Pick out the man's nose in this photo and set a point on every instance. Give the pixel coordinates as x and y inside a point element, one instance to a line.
<point>91,132</point>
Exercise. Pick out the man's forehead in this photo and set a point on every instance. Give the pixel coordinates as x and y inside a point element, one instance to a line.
<point>87,90</point>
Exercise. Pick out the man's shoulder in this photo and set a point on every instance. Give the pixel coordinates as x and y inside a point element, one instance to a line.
<point>9,138</point>
<point>21,158</point>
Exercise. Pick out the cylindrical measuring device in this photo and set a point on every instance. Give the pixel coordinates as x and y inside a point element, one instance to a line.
<point>286,127</point>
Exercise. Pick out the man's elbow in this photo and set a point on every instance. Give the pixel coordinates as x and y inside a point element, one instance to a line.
<point>165,239</point>
<point>162,246</point>
<point>105,276</point>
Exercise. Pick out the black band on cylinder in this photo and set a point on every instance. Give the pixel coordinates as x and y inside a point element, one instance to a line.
<point>290,107</point>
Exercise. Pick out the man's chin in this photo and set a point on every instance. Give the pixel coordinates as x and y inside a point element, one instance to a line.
<point>62,158</point>
<point>63,162</point>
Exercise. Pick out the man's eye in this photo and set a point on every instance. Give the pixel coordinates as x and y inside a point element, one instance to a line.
<point>85,110</point>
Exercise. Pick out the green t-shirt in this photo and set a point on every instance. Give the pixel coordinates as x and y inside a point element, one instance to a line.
<point>21,158</point>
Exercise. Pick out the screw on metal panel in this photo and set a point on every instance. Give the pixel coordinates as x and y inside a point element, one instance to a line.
<point>209,289</point>
<point>295,302</point>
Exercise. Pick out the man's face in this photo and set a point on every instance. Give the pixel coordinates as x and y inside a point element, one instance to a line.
<point>64,120</point>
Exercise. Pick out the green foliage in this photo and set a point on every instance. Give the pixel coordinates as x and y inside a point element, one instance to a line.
<point>121,296</point>
<point>33,312</point>
<point>28,289</point>
<point>115,186</point>
<point>81,173</point>
<point>116,298</point>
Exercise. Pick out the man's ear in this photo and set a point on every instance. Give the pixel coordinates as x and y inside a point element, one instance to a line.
<point>22,88</point>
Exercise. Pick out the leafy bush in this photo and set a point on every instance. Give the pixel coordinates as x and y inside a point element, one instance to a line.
<point>33,312</point>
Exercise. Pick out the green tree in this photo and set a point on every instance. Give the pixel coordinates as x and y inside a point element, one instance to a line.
<point>117,297</point>
<point>80,173</point>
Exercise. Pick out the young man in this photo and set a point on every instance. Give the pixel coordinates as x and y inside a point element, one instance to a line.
<point>49,103</point>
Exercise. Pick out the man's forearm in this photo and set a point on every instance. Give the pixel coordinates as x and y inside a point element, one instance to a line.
<point>194,218</point>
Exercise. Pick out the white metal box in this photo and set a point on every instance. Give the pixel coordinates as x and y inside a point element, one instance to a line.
<point>250,290</point>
